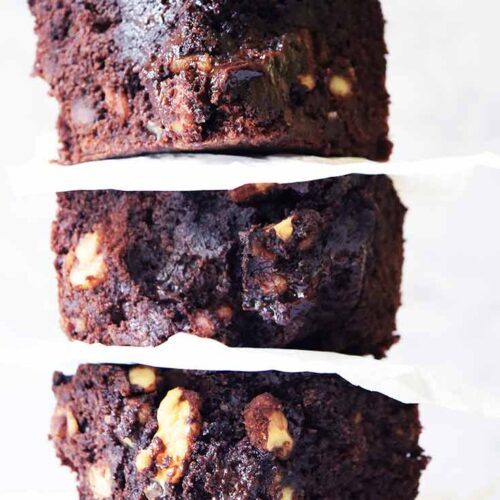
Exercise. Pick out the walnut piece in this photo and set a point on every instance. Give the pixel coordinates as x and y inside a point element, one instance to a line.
<point>100,481</point>
<point>144,377</point>
<point>144,413</point>
<point>307,80</point>
<point>116,102</point>
<point>202,62</point>
<point>340,86</point>
<point>248,191</point>
<point>71,423</point>
<point>64,423</point>
<point>287,493</point>
<point>283,229</point>
<point>267,426</point>
<point>128,442</point>
<point>332,116</point>
<point>202,325</point>
<point>273,284</point>
<point>79,325</point>
<point>257,249</point>
<point>279,440</point>
<point>224,313</point>
<point>88,268</point>
<point>179,126</point>
<point>153,491</point>
<point>144,459</point>
<point>155,129</point>
<point>179,423</point>
<point>83,112</point>
<point>357,418</point>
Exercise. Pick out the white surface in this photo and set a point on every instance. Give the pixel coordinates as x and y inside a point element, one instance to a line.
<point>443,78</point>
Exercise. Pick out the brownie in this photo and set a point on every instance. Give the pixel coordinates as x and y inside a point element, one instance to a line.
<point>144,76</point>
<point>314,265</point>
<point>144,433</point>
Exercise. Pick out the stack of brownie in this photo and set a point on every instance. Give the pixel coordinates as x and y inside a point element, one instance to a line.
<point>312,265</point>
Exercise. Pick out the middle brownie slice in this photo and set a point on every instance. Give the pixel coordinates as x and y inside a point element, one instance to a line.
<point>314,265</point>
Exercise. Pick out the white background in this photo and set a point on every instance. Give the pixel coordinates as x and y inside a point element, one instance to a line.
<point>444,79</point>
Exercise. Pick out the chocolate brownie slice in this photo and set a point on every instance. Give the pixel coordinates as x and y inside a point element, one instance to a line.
<point>312,265</point>
<point>144,433</point>
<point>146,76</point>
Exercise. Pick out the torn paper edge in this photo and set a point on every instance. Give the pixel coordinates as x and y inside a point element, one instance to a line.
<point>405,383</point>
<point>201,171</point>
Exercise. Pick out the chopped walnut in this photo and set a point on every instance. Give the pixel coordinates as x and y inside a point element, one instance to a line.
<point>64,423</point>
<point>144,413</point>
<point>179,423</point>
<point>116,102</point>
<point>340,86</point>
<point>86,263</point>
<point>273,284</point>
<point>83,112</point>
<point>143,377</point>
<point>79,325</point>
<point>357,418</point>
<point>144,459</point>
<point>283,229</point>
<point>155,129</point>
<point>178,126</point>
<point>128,442</point>
<point>257,249</point>
<point>248,191</point>
<point>267,426</point>
<point>202,62</point>
<point>100,481</point>
<point>307,80</point>
<point>287,493</point>
<point>224,313</point>
<point>202,325</point>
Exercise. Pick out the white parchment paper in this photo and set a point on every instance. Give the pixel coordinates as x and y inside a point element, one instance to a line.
<point>406,383</point>
<point>195,172</point>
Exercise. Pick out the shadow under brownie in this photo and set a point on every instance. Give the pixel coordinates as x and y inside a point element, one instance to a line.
<point>146,76</point>
<point>315,265</point>
<point>138,432</point>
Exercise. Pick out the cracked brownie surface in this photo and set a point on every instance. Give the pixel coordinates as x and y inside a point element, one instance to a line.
<point>144,433</point>
<point>315,265</point>
<point>146,76</point>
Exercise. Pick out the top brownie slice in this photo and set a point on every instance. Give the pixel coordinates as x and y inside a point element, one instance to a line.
<point>147,76</point>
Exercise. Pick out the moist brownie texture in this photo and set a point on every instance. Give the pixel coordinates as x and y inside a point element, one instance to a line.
<point>315,265</point>
<point>143,433</point>
<point>143,76</point>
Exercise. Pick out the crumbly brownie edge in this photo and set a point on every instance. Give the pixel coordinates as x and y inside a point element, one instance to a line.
<point>220,265</point>
<point>265,435</point>
<point>146,77</point>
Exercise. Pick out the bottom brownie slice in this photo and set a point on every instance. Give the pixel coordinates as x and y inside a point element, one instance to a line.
<point>138,432</point>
